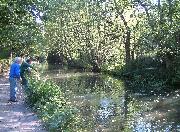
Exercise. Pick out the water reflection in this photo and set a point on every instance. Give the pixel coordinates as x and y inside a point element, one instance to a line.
<point>106,106</point>
<point>105,111</point>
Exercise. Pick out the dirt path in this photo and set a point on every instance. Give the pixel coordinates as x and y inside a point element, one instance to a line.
<point>16,116</point>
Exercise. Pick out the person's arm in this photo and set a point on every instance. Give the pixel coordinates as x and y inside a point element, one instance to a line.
<point>29,65</point>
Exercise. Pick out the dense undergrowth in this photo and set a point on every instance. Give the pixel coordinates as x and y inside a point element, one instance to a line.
<point>46,98</point>
<point>150,75</point>
<point>4,65</point>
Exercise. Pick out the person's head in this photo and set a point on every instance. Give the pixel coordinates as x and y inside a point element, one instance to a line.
<point>17,60</point>
<point>22,55</point>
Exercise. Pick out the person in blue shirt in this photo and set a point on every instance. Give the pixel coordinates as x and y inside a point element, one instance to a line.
<point>14,77</point>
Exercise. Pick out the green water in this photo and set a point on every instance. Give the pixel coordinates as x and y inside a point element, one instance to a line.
<point>105,105</point>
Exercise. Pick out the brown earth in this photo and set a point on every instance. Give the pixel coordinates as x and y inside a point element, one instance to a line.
<point>16,116</point>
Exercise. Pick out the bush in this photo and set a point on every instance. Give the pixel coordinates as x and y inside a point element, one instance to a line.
<point>48,101</point>
<point>4,65</point>
<point>146,75</point>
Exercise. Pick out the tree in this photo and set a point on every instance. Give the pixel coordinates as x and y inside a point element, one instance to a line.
<point>18,29</point>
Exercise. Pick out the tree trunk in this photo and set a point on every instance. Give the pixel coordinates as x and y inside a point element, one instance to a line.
<point>127,46</point>
<point>170,13</point>
<point>127,34</point>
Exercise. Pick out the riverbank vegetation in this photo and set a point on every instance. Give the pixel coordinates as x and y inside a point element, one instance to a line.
<point>46,98</point>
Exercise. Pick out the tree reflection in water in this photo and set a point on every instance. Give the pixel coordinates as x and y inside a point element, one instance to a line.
<point>106,105</point>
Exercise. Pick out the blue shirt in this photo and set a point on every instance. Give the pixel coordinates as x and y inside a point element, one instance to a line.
<point>15,70</point>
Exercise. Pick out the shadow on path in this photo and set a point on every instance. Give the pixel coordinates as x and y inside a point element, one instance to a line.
<point>16,116</point>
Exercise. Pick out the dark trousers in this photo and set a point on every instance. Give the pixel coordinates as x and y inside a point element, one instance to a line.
<point>24,81</point>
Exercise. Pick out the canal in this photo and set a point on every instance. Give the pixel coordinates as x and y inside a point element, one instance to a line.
<point>105,105</point>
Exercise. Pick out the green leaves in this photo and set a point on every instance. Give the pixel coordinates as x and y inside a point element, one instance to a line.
<point>47,99</point>
<point>18,29</point>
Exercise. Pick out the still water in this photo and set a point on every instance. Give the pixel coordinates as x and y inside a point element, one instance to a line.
<point>105,105</point>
